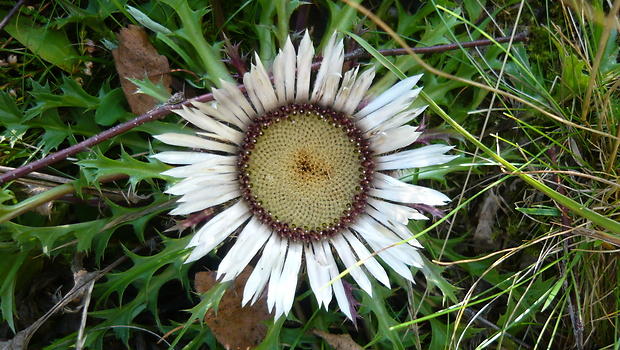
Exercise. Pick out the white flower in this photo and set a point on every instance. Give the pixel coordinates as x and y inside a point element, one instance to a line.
<point>302,173</point>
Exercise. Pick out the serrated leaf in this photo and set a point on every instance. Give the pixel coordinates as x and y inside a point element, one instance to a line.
<point>272,340</point>
<point>117,317</point>
<point>440,337</point>
<point>138,218</point>
<point>432,273</point>
<point>146,86</point>
<point>93,15</point>
<point>376,304</point>
<point>46,238</point>
<point>55,131</point>
<point>13,133</point>
<point>138,171</point>
<point>73,95</point>
<point>145,267</point>
<point>44,114</point>
<point>209,300</point>
<point>208,58</point>
<point>148,275</point>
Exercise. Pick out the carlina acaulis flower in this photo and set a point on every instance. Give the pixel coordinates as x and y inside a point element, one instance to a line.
<point>303,173</point>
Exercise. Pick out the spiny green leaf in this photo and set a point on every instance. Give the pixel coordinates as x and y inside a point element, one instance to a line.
<point>147,87</point>
<point>93,169</point>
<point>377,305</point>
<point>148,275</point>
<point>433,276</point>
<point>120,318</point>
<point>145,268</point>
<point>439,335</point>
<point>55,130</point>
<point>73,95</point>
<point>138,218</point>
<point>209,299</point>
<point>209,59</point>
<point>92,15</point>
<point>45,115</point>
<point>45,238</point>
<point>272,340</point>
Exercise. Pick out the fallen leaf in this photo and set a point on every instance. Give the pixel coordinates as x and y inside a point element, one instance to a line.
<point>338,341</point>
<point>135,57</point>
<point>484,239</point>
<point>235,327</point>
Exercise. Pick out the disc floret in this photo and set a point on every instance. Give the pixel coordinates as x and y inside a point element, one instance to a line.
<point>305,171</point>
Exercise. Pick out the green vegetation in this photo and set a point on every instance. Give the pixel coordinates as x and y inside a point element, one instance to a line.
<point>525,256</point>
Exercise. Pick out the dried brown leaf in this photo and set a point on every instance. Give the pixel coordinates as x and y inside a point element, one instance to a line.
<point>135,57</point>
<point>338,341</point>
<point>234,326</point>
<point>484,239</point>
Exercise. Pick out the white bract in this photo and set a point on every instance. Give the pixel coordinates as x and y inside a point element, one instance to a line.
<point>301,172</point>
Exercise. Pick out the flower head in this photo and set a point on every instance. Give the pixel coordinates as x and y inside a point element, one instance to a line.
<point>302,173</point>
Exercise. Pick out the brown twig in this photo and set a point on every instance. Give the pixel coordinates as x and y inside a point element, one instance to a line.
<point>85,145</point>
<point>477,317</point>
<point>573,309</point>
<point>7,18</point>
<point>521,37</point>
<point>164,110</point>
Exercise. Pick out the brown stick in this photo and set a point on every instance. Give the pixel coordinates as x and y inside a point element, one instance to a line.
<point>85,145</point>
<point>164,110</point>
<point>521,37</point>
<point>7,18</point>
<point>573,298</point>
